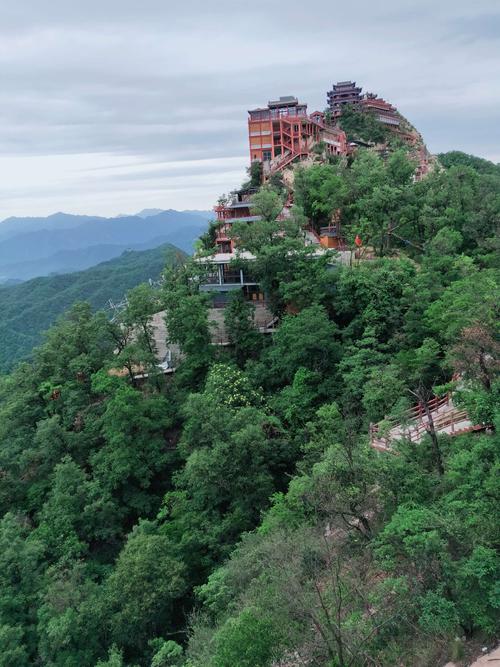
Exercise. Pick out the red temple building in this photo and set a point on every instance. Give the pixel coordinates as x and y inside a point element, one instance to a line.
<point>235,210</point>
<point>280,134</point>
<point>383,111</point>
<point>223,278</point>
<point>346,92</point>
<point>283,132</point>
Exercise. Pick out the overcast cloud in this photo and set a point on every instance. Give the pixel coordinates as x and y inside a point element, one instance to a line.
<point>111,106</point>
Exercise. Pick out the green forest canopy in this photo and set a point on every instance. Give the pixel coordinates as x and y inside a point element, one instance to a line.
<point>235,515</point>
<point>28,309</point>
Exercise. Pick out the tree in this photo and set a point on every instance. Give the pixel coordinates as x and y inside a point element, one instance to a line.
<point>115,659</point>
<point>314,609</point>
<point>423,370</point>
<point>267,203</point>
<point>415,542</point>
<point>62,527</point>
<point>75,347</point>
<point>245,641</point>
<point>340,487</point>
<point>70,617</point>
<point>382,391</point>
<point>456,158</point>
<point>320,190</point>
<point>296,402</point>
<point>142,589</point>
<point>207,240</point>
<point>307,279</point>
<point>230,473</point>
<point>21,571</point>
<point>362,125</point>
<point>13,653</point>
<point>307,340</point>
<point>476,586</point>
<point>167,653</point>
<point>134,451</point>
<point>245,340</point>
<point>255,173</point>
<point>142,302</point>
<point>468,300</point>
<point>279,253</point>
<point>476,355</point>
<point>228,387</point>
<point>136,342</point>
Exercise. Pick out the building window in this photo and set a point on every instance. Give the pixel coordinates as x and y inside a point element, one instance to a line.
<point>266,155</point>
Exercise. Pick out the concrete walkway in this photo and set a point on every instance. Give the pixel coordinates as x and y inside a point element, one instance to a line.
<point>487,660</point>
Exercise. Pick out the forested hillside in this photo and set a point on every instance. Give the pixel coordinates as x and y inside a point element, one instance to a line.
<point>233,514</point>
<point>28,309</point>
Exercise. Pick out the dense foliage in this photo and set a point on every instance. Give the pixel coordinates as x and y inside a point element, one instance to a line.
<point>233,514</point>
<point>28,309</point>
<point>360,126</point>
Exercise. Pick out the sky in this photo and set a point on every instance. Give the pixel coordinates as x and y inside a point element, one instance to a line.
<point>111,106</point>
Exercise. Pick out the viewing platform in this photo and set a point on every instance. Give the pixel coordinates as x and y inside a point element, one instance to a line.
<point>415,424</point>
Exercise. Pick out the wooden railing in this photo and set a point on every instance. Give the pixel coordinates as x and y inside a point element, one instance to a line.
<point>414,424</point>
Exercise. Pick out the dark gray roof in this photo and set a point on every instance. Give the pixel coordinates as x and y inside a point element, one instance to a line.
<point>285,100</point>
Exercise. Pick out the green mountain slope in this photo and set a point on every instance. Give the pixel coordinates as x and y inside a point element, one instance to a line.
<point>28,309</point>
<point>234,514</point>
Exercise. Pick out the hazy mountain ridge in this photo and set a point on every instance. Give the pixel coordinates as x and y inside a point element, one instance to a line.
<point>68,261</point>
<point>149,212</point>
<point>21,225</point>
<point>31,247</point>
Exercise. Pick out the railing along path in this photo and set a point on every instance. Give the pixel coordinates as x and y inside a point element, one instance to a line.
<point>446,418</point>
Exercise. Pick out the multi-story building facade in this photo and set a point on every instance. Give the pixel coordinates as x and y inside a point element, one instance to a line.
<point>283,132</point>
<point>279,134</point>
<point>383,111</point>
<point>223,277</point>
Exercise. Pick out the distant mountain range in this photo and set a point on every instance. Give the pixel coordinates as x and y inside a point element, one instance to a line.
<point>148,212</point>
<point>28,309</point>
<point>61,243</point>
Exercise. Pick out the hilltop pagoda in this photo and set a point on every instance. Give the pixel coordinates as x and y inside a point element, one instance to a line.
<point>343,92</point>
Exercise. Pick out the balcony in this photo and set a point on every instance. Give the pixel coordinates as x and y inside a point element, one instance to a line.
<point>231,276</point>
<point>331,230</point>
<point>211,279</point>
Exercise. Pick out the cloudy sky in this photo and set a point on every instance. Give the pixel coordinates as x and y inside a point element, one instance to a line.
<point>110,106</point>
